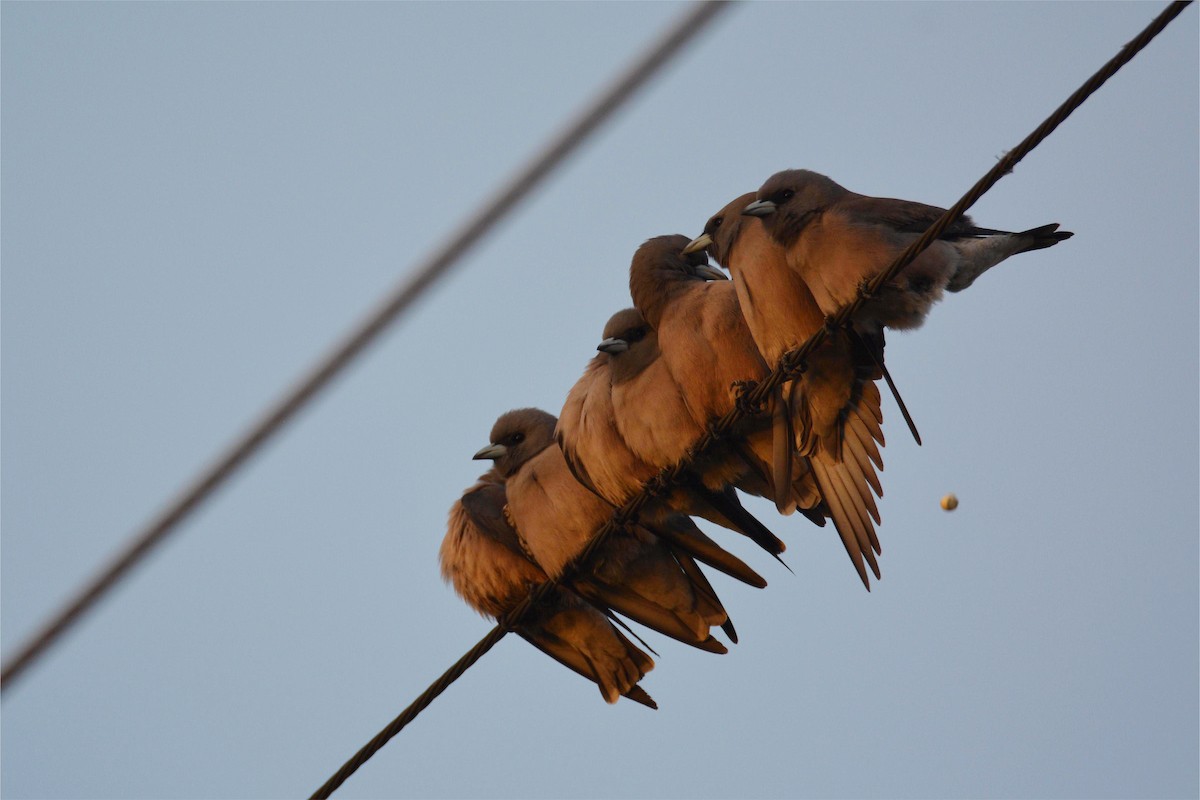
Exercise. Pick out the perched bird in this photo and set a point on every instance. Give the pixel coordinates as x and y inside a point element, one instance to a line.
<point>641,379</point>
<point>837,240</point>
<point>705,350</point>
<point>647,575</point>
<point>626,418</point>
<point>834,416</point>
<point>595,447</point>
<point>483,560</point>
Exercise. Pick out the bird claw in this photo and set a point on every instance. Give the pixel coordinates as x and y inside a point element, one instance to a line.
<point>742,391</point>
<point>714,430</point>
<point>793,363</point>
<point>656,487</point>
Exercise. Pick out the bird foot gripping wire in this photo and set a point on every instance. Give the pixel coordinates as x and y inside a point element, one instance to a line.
<point>744,398</point>
<point>865,292</point>
<point>794,363</point>
<point>657,486</point>
<point>717,428</point>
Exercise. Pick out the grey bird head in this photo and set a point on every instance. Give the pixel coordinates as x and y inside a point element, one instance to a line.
<point>518,436</point>
<point>674,253</point>
<point>659,266</point>
<point>789,199</point>
<point>623,330</point>
<point>630,343</point>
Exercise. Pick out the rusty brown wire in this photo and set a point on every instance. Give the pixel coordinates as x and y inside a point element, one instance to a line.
<point>751,398</point>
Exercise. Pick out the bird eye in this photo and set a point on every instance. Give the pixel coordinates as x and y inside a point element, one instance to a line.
<point>635,335</point>
<point>515,438</point>
<point>716,222</point>
<point>784,195</point>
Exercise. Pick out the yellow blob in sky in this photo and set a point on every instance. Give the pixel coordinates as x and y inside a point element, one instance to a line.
<point>949,502</point>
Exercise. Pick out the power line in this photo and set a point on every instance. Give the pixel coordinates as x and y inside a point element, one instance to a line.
<point>392,306</point>
<point>751,399</point>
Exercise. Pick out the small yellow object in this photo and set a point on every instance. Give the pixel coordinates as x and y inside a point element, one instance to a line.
<point>949,502</point>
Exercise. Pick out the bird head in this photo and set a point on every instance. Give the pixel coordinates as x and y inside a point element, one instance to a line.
<point>518,436</point>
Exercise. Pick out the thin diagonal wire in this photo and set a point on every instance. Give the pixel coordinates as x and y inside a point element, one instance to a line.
<point>794,359</point>
<point>502,629</point>
<point>695,19</point>
<point>791,364</point>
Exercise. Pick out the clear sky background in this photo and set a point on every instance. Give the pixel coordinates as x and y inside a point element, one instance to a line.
<point>199,198</point>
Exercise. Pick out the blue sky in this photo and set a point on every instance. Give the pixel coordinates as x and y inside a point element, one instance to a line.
<point>199,198</point>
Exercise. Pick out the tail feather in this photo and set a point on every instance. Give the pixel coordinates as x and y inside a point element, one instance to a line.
<point>976,256</point>
<point>727,511</point>
<point>782,450</point>
<point>864,456</point>
<point>624,626</point>
<point>852,498</point>
<point>638,695</point>
<point>586,637</point>
<point>862,430</point>
<point>850,520</point>
<point>708,605</point>
<point>624,601</point>
<point>680,532</point>
<point>705,591</point>
<point>1044,236</point>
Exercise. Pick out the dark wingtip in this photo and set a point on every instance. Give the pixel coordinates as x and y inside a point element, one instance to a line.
<point>866,581</point>
<point>877,359</point>
<point>730,631</point>
<point>862,575</point>
<point>875,570</point>
<point>1051,231</point>
<point>1045,236</point>
<point>638,695</point>
<point>740,520</point>
<point>614,619</point>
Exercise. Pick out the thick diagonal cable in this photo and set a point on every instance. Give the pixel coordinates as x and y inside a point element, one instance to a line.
<point>751,400</point>
<point>695,19</point>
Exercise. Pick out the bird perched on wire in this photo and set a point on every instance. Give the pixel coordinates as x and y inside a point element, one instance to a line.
<point>482,558</point>
<point>833,420</point>
<point>837,240</point>
<point>646,573</point>
<point>706,351</point>
<point>626,418</point>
